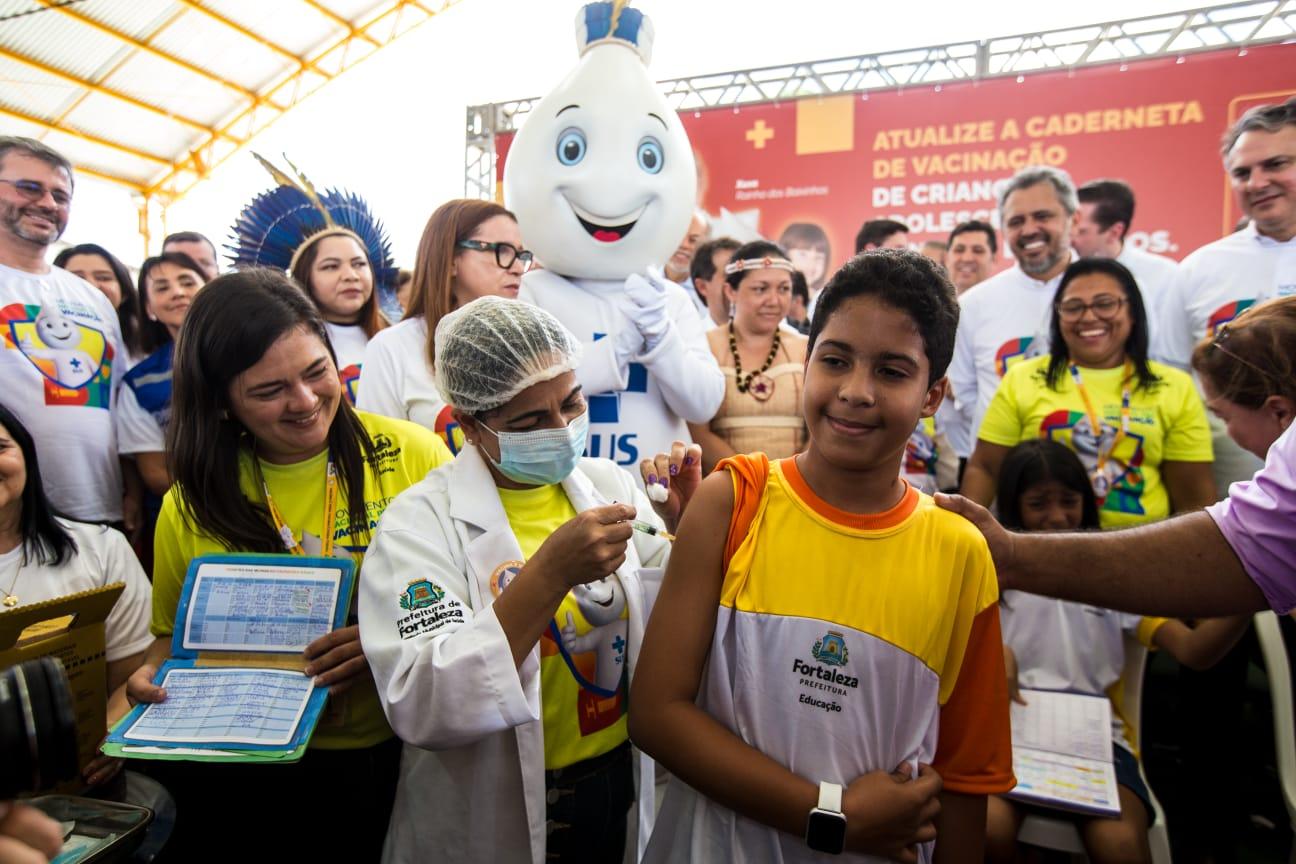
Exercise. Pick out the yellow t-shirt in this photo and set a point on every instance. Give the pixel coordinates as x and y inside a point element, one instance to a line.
<point>582,664</point>
<point>1167,424</point>
<point>405,454</point>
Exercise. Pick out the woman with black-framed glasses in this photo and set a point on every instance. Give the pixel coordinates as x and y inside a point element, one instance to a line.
<point>469,249</point>
<point>1138,426</point>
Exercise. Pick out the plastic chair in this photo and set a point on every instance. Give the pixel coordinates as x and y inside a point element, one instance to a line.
<point>1278,671</point>
<point>1061,834</point>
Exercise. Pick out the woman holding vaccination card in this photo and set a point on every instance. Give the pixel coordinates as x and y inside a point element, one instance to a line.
<point>268,457</point>
<point>503,608</point>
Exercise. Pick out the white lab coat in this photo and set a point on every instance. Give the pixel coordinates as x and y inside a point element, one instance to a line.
<point>472,782</point>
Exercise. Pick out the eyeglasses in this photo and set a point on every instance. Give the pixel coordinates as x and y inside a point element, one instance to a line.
<point>1222,336</point>
<point>33,191</point>
<point>1104,307</point>
<point>505,253</point>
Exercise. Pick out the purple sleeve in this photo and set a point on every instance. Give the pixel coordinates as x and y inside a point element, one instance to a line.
<point>1258,520</point>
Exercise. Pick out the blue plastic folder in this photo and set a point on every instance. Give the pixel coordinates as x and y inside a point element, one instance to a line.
<point>235,686</point>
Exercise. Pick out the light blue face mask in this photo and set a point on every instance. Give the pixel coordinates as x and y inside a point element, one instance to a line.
<point>541,457</point>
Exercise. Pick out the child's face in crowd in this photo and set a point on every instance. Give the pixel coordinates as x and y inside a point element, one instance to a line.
<point>866,384</point>
<point>1051,506</point>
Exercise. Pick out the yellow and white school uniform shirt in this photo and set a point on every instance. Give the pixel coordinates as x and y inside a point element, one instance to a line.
<point>583,678</point>
<point>405,453</point>
<point>1167,424</point>
<point>844,644</point>
<point>1074,647</point>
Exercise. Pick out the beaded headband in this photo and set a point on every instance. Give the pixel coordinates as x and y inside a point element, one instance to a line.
<point>758,264</point>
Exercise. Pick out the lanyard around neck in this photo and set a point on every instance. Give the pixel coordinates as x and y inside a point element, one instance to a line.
<point>326,530</point>
<point>1095,423</point>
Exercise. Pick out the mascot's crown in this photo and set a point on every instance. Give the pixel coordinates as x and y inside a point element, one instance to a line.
<point>599,23</point>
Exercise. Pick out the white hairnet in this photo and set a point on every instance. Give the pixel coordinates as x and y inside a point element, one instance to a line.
<point>492,349</point>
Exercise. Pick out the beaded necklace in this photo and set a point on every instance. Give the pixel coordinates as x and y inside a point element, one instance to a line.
<point>754,383</point>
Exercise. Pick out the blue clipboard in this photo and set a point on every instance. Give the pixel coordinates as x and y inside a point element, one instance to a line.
<point>186,657</point>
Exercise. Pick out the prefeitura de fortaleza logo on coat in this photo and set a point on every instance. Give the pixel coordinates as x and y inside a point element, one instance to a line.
<point>420,593</point>
<point>429,608</point>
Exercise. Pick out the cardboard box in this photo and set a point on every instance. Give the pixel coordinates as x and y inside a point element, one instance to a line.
<point>70,628</point>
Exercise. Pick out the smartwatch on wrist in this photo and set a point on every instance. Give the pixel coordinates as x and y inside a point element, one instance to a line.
<point>826,824</point>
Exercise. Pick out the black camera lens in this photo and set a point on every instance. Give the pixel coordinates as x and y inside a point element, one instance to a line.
<point>38,741</point>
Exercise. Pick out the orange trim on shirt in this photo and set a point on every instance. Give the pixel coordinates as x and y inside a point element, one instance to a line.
<point>750,473</point>
<point>859,521</point>
<point>974,745</point>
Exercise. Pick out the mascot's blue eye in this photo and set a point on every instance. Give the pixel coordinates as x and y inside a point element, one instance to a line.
<point>571,147</point>
<point>650,155</point>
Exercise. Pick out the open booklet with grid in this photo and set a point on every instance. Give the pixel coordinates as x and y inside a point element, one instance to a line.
<point>1062,752</point>
<point>236,690</point>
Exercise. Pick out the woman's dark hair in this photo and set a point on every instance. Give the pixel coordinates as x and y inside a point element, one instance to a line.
<point>1253,356</point>
<point>44,540</point>
<point>128,309</point>
<point>154,334</point>
<point>754,249</point>
<point>232,323</point>
<point>905,280</point>
<point>1037,461</point>
<point>1136,346</point>
<point>371,319</point>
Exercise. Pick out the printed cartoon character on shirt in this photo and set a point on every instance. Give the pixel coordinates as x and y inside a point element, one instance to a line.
<point>593,645</point>
<point>1119,483</point>
<point>1015,351</point>
<point>74,358</point>
<point>603,182</point>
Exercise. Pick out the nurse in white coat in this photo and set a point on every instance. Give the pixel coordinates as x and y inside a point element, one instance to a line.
<point>504,605</point>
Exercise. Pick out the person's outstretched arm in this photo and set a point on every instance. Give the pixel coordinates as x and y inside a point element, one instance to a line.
<point>1181,568</point>
<point>887,813</point>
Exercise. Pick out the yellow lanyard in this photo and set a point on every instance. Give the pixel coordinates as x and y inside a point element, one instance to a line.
<point>1098,478</point>
<point>326,531</point>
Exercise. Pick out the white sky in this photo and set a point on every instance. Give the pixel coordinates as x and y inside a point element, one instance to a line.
<point>392,128</point>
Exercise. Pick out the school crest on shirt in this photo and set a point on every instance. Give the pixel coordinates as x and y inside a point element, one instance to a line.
<point>831,649</point>
<point>420,593</point>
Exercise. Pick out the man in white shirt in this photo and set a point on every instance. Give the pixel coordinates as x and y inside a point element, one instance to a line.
<point>61,359</point>
<point>708,279</point>
<point>676,267</point>
<point>1004,319</point>
<point>1102,226</point>
<point>1247,267</point>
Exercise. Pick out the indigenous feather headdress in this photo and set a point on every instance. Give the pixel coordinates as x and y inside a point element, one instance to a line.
<point>277,226</point>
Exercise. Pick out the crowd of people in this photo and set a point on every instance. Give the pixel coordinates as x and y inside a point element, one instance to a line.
<point>809,415</point>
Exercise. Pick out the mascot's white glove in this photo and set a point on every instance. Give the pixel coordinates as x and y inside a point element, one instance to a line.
<point>647,307</point>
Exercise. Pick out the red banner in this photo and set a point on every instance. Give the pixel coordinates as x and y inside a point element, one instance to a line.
<point>931,156</point>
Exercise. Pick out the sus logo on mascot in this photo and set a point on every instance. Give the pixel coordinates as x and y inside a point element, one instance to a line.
<point>602,180</point>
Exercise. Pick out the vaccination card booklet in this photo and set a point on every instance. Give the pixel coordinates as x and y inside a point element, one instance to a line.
<point>1062,752</point>
<point>235,686</point>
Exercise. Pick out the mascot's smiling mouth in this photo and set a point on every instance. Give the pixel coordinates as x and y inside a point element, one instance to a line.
<point>600,230</point>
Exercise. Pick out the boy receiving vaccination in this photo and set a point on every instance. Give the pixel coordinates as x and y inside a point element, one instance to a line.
<point>825,649</point>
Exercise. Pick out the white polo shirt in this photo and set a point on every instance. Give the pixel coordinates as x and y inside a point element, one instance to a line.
<point>1003,321</point>
<point>1213,285</point>
<point>1155,275</point>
